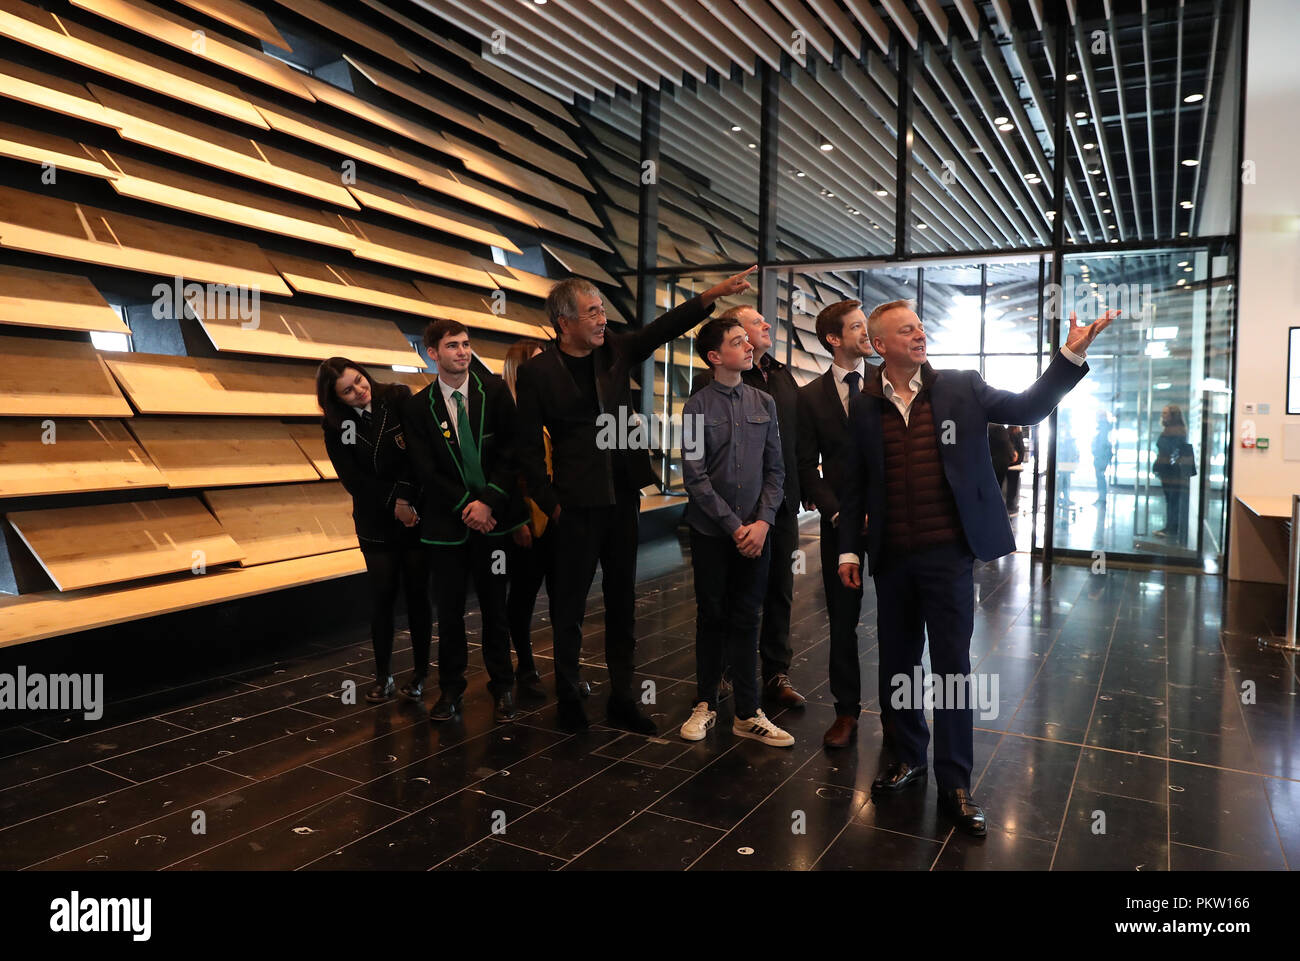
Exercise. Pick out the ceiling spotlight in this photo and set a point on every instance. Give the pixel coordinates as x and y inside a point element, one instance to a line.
<point>1181,281</point>
<point>1051,214</point>
<point>800,173</point>
<point>1190,163</point>
<point>1004,127</point>
<point>1000,120</point>
<point>830,193</point>
<point>735,128</point>
<point>1071,76</point>
<point>828,146</point>
<point>1101,193</point>
<point>1110,226</point>
<point>1115,241</point>
<point>1182,233</point>
<point>1182,263</point>
<point>1186,205</point>
<point>922,226</point>
<point>1020,308</point>
<point>1106,211</point>
<point>881,191</point>
<point>1080,115</point>
<point>1006,296</point>
<point>1094,170</point>
<point>1194,98</point>
<point>1035,180</point>
<point>875,226</point>
<point>1029,176</point>
<point>1187,270</point>
<point>1090,146</point>
<point>753,146</point>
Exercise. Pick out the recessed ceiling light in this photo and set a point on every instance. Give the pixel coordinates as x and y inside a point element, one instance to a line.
<point>875,226</point>
<point>1182,263</point>
<point>828,146</point>
<point>1051,214</point>
<point>1101,193</point>
<point>1187,270</point>
<point>753,146</point>
<point>881,192</point>
<point>735,128</point>
<point>1190,163</point>
<point>1006,296</point>
<point>800,173</point>
<point>1020,308</point>
<point>1182,233</point>
<point>1004,127</point>
<point>830,194</point>
<point>1090,146</point>
<point>1029,176</point>
<point>1181,281</point>
<point>1080,115</point>
<point>1000,120</point>
<point>1115,241</point>
<point>1095,170</point>
<point>1110,226</point>
<point>1035,180</point>
<point>1186,205</point>
<point>1194,98</point>
<point>1071,76</point>
<point>922,226</point>
<point>1106,211</point>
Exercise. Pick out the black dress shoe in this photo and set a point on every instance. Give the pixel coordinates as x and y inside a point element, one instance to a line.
<point>961,807</point>
<point>571,717</point>
<point>414,688</point>
<point>504,708</point>
<point>382,691</point>
<point>530,685</point>
<point>896,777</point>
<point>584,688</point>
<point>625,713</point>
<point>446,709</point>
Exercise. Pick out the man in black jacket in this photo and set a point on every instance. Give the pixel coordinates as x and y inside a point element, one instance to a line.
<point>578,391</point>
<point>823,436</point>
<point>773,378</point>
<point>460,431</point>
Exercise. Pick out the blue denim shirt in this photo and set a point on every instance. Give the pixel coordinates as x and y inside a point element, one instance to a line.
<point>739,476</point>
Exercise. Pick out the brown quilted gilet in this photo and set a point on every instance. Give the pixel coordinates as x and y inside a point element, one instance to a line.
<point>920,509</point>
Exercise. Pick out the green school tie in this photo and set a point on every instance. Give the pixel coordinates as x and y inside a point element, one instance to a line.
<point>474,478</point>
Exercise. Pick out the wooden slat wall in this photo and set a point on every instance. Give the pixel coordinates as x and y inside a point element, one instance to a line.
<point>356,212</point>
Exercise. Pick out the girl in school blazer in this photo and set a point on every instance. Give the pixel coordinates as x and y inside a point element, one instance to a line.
<point>364,438</point>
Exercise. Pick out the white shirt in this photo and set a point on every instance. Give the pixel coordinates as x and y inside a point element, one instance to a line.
<point>447,395</point>
<point>906,408</point>
<point>839,374</point>
<point>359,410</point>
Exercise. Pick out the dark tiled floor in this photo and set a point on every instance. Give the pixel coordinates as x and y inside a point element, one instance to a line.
<point>1138,725</point>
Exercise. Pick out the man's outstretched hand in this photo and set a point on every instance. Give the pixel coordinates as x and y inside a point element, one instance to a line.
<point>729,287</point>
<point>1080,337</point>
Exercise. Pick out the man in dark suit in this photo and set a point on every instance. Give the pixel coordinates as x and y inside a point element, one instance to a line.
<point>460,431</point>
<point>580,391</point>
<point>774,379</point>
<point>823,436</point>
<point>920,474</point>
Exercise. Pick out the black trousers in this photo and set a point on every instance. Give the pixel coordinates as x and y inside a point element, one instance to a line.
<point>729,591</point>
<point>454,566</point>
<point>774,648</point>
<point>388,569</point>
<point>843,608</point>
<point>530,567</point>
<point>919,593</point>
<point>1012,487</point>
<point>1176,503</point>
<point>583,537</point>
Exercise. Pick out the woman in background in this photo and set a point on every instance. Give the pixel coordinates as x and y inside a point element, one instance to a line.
<point>531,556</point>
<point>363,435</point>
<point>1175,465</point>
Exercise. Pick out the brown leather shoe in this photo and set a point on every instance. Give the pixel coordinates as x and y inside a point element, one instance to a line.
<point>782,692</point>
<point>839,734</point>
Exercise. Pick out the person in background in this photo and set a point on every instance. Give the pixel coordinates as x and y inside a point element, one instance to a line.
<point>1016,434</point>
<point>1103,452</point>
<point>1001,451</point>
<point>735,486</point>
<point>1175,465</point>
<point>366,444</point>
<point>531,553</point>
<point>1067,462</point>
<point>460,431</point>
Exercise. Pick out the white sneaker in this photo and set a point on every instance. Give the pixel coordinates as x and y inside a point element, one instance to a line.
<point>761,729</point>
<point>698,724</point>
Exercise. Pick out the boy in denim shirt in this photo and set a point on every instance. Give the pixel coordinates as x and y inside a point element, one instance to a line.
<point>735,488</point>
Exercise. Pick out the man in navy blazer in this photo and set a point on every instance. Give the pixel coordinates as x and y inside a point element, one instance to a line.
<point>921,501</point>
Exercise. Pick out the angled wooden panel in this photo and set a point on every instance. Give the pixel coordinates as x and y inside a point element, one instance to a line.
<point>34,617</point>
<point>421,211</point>
<point>498,170</point>
<point>311,440</point>
<point>81,45</point>
<point>80,456</point>
<point>287,330</point>
<point>534,285</point>
<point>186,35</point>
<point>207,452</point>
<point>349,28</point>
<point>414,95</point>
<point>39,147</point>
<point>146,124</point>
<point>492,353</point>
<point>368,111</point>
<point>159,384</point>
<point>397,249</point>
<point>517,145</point>
<point>60,228</point>
<point>242,17</point>
<point>42,298</point>
<point>56,378</point>
<point>285,521</point>
<point>443,182</point>
<point>159,185</point>
<point>28,85</point>
<point>476,312</point>
<point>580,266</point>
<point>345,283</point>
<point>110,543</point>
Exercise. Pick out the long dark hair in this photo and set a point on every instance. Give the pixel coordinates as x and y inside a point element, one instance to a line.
<point>519,353</point>
<point>1176,423</point>
<point>333,409</point>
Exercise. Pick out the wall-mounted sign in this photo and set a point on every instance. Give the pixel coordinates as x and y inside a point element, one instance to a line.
<point>1293,372</point>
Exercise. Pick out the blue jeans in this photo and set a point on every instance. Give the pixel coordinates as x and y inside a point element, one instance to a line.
<point>729,591</point>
